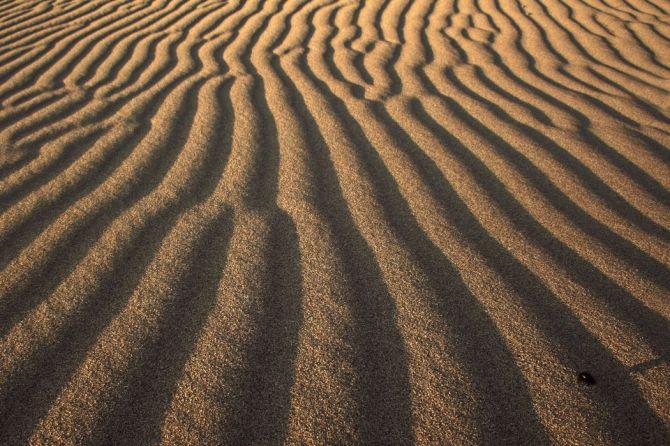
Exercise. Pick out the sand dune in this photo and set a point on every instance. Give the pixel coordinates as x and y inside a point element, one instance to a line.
<point>334,222</point>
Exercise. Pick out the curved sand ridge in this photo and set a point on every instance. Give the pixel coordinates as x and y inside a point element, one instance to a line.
<point>334,221</point>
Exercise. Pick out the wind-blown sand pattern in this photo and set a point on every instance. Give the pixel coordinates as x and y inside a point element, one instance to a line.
<point>334,222</point>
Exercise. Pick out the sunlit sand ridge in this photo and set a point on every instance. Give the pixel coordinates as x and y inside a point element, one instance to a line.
<point>334,222</point>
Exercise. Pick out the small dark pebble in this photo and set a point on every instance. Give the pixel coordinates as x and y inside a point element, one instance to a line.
<point>586,378</point>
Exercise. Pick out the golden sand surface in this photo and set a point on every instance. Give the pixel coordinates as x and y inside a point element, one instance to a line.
<point>334,222</point>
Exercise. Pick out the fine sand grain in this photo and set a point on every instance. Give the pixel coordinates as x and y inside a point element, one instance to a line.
<point>334,222</point>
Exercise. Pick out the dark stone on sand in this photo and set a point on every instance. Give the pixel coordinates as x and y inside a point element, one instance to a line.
<point>586,378</point>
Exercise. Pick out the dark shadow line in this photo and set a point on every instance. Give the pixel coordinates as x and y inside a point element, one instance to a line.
<point>266,384</point>
<point>654,327</point>
<point>56,268</point>
<point>380,358</point>
<point>460,310</point>
<point>138,412</point>
<point>573,343</point>
<point>634,256</point>
<point>30,393</point>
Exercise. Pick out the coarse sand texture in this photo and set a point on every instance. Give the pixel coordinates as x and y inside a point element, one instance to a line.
<point>334,222</point>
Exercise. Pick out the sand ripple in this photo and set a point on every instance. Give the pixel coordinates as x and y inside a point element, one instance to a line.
<point>334,222</point>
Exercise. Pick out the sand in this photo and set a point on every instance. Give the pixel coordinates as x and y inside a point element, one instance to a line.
<point>334,222</point>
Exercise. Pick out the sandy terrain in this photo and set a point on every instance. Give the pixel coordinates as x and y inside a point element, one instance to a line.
<point>334,222</point>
